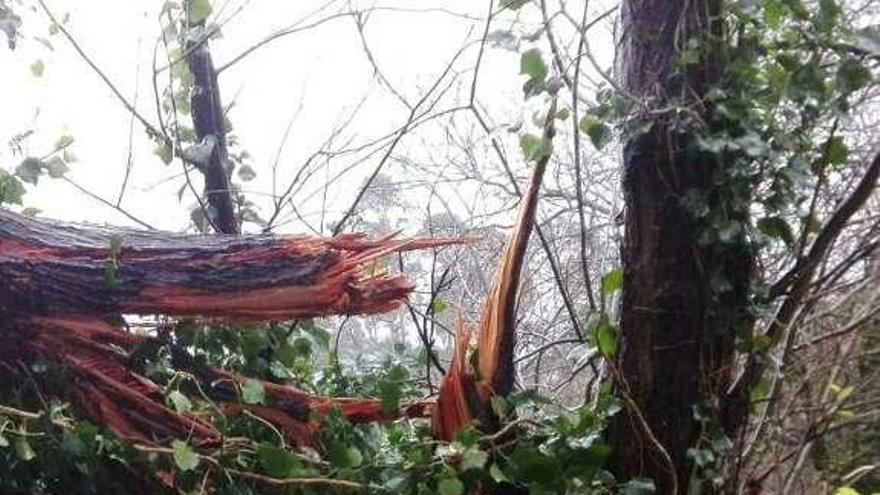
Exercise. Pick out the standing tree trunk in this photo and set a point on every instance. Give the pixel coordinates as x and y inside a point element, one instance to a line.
<point>209,119</point>
<point>677,328</point>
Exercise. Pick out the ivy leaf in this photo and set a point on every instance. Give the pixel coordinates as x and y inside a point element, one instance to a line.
<point>473,458</point>
<point>829,14</point>
<point>532,64</point>
<point>598,132</point>
<point>64,141</point>
<point>23,449</point>
<point>535,148</point>
<point>344,456</point>
<point>776,228</point>
<point>198,10</point>
<point>701,457</point>
<point>438,306</point>
<point>184,456</point>
<point>163,151</point>
<point>606,338</point>
<point>836,151</point>
<point>612,281</point>
<point>497,474</point>
<point>852,76</point>
<point>450,486</point>
<point>56,167</point>
<point>390,388</point>
<point>773,12</point>
<point>30,170</point>
<point>277,462</point>
<point>180,402</point>
<point>37,68</point>
<point>11,189</point>
<point>246,173</point>
<point>252,392</point>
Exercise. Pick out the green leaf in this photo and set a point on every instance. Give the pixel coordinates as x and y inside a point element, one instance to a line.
<point>438,306</point>
<point>56,167</point>
<point>845,490</point>
<point>163,151</point>
<point>701,457</point>
<point>598,132</point>
<point>776,228</point>
<point>450,486</point>
<point>37,68</point>
<point>277,462</point>
<point>390,388</point>
<point>497,474</point>
<point>11,189</point>
<point>29,170</point>
<point>184,456</point>
<point>23,449</point>
<point>473,458</point>
<point>63,142</point>
<point>829,14</point>
<point>246,173</point>
<point>773,12</point>
<point>606,338</point>
<point>302,347</point>
<point>534,148</point>
<point>252,392</point>
<point>836,151</point>
<point>344,456</point>
<point>532,64</point>
<point>612,281</point>
<point>180,402</point>
<point>852,76</point>
<point>198,10</point>
<point>4,442</point>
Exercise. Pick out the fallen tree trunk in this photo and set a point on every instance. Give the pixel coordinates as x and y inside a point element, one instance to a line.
<point>61,284</point>
<point>51,268</point>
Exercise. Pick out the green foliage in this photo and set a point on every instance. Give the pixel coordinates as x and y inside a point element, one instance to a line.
<point>535,148</point>
<point>198,10</point>
<point>532,65</point>
<point>278,462</point>
<point>184,457</point>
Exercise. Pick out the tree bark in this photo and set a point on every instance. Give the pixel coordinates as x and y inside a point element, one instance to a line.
<point>50,268</point>
<point>677,331</point>
<point>209,120</point>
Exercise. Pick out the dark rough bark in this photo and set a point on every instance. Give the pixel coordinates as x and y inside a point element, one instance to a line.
<point>209,119</point>
<point>677,329</point>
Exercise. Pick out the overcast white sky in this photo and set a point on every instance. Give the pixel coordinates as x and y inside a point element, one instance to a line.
<point>314,77</point>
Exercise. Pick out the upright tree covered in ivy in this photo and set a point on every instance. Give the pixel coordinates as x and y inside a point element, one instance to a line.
<point>677,325</point>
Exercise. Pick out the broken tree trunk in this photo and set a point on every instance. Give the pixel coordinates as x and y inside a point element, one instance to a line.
<point>62,283</point>
<point>50,268</point>
<point>465,393</point>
